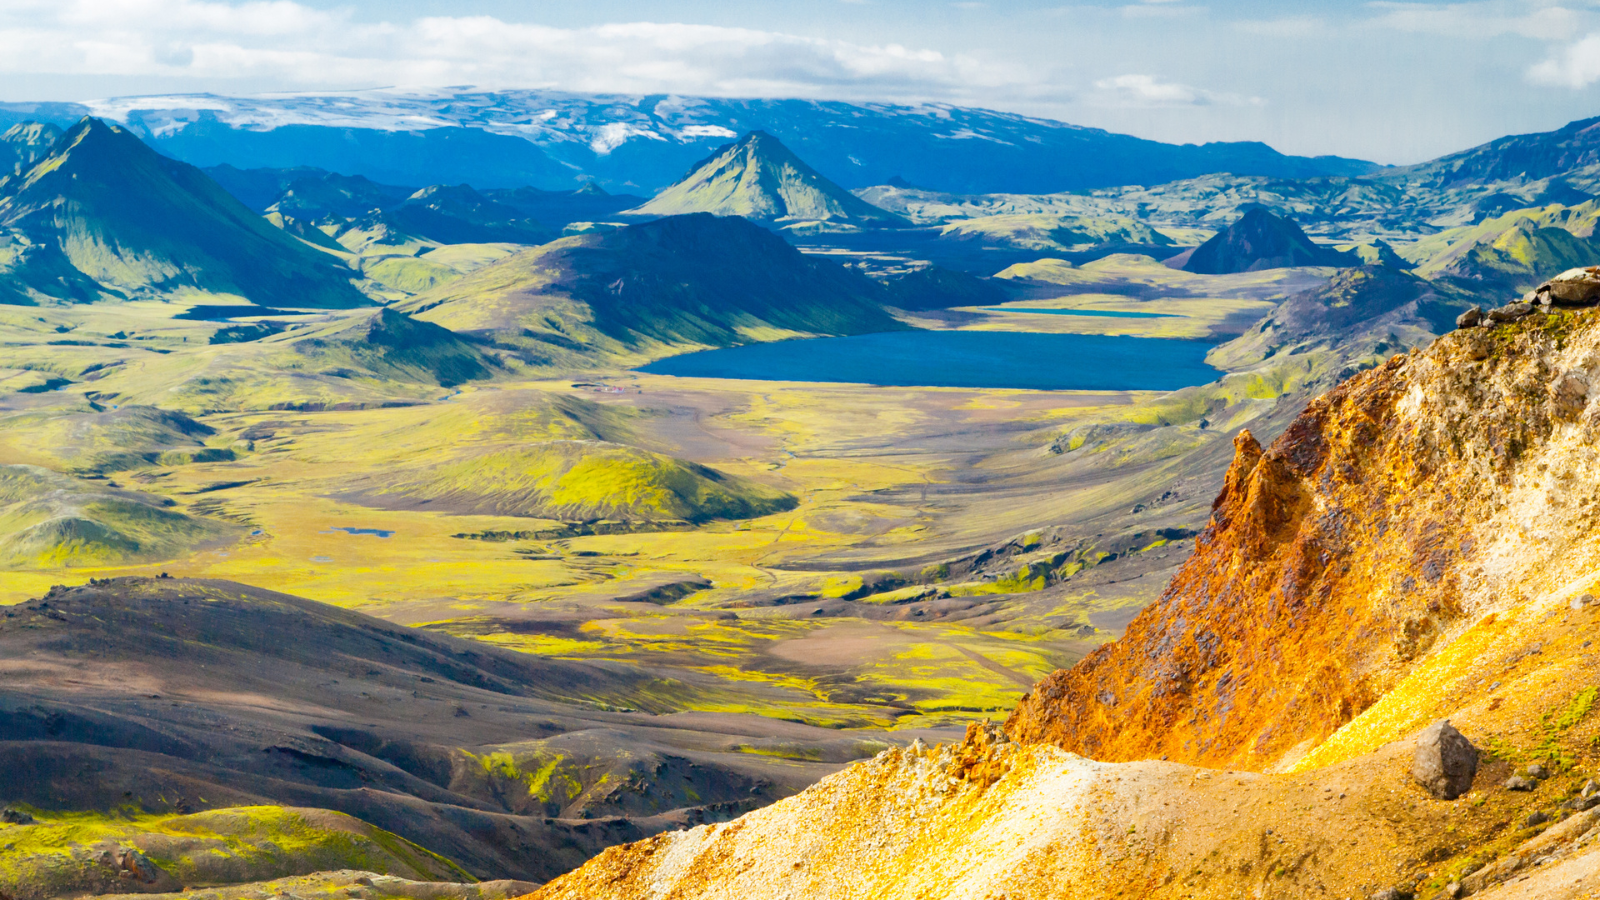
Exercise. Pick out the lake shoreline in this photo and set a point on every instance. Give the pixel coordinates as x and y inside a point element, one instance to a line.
<point>960,359</point>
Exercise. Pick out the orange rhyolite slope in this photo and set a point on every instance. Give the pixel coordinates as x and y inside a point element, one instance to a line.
<point>1332,561</point>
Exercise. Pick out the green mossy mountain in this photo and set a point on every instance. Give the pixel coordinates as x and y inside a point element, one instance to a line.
<point>392,346</point>
<point>98,441</point>
<point>1051,234</point>
<point>24,144</point>
<point>761,179</point>
<point>654,288</point>
<point>1261,240</point>
<point>581,482</point>
<point>1516,251</point>
<point>137,224</point>
<point>49,520</point>
<point>1379,253</point>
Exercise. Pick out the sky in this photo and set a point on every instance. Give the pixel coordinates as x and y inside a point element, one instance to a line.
<point>1394,82</point>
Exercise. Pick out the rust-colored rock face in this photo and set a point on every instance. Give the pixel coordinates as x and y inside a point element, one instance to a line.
<point>1389,513</point>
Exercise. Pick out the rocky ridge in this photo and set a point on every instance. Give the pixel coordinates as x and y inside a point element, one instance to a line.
<point>1394,514</point>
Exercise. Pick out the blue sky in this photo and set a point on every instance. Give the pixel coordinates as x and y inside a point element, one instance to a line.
<point>1390,81</point>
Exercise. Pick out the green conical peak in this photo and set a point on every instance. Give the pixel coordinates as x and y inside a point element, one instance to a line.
<point>138,223</point>
<point>759,178</point>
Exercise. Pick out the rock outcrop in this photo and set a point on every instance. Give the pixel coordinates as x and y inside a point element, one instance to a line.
<point>1574,287</point>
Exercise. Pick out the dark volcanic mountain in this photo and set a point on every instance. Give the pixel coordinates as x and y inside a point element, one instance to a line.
<point>561,208</point>
<point>312,197</point>
<point>392,346</point>
<point>935,287</point>
<point>131,221</point>
<point>261,188</point>
<point>308,194</point>
<point>759,178</point>
<point>1261,240</point>
<point>683,280</point>
<point>457,214</point>
<point>1361,315</point>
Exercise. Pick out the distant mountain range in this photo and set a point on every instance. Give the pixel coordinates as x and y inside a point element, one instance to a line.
<point>95,214</point>
<point>1571,149</point>
<point>640,144</point>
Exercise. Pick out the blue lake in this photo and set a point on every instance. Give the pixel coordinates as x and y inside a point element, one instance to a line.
<point>974,359</point>
<point>1095,313</point>
<point>373,531</point>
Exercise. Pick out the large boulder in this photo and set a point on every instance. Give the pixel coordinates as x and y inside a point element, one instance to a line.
<point>1574,287</point>
<point>1445,762</point>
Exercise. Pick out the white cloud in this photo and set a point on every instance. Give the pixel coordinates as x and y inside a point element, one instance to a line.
<point>1143,91</point>
<point>1575,66</point>
<point>1481,20</point>
<point>286,43</point>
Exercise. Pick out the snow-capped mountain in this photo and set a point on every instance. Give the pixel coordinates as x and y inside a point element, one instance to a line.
<point>643,143</point>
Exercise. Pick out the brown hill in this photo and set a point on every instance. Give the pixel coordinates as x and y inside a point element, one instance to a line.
<point>1360,316</point>
<point>134,698</point>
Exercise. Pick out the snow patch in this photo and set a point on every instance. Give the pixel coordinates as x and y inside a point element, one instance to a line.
<point>967,134</point>
<point>699,131</point>
<point>609,137</point>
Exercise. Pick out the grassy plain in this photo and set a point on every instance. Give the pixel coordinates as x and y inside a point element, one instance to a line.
<point>875,471</point>
<point>943,548</point>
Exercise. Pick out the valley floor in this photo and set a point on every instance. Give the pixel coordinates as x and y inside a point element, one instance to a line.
<point>761,615</point>
<point>737,587</point>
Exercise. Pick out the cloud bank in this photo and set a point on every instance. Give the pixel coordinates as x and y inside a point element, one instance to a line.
<point>1576,66</point>
<point>1393,81</point>
<point>300,47</point>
